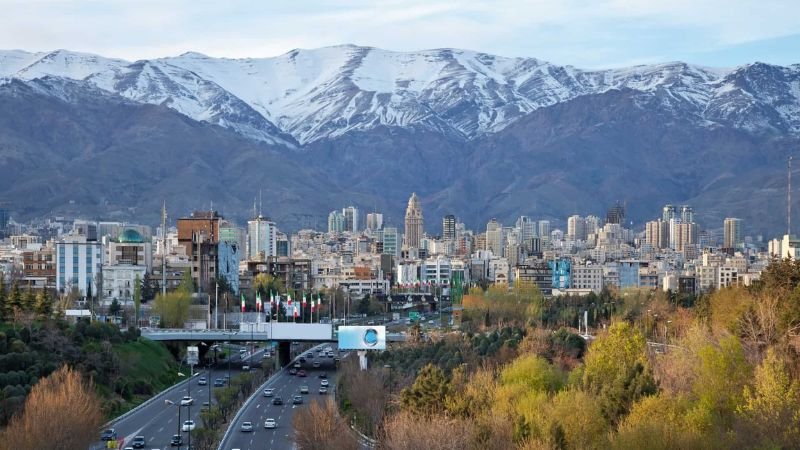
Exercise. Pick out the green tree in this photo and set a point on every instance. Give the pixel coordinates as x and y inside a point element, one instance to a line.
<point>363,305</point>
<point>149,287</point>
<point>15,298</point>
<point>28,300</point>
<point>173,308</point>
<point>44,305</point>
<point>721,376</point>
<point>772,405</point>
<point>114,308</point>
<point>5,310</point>
<point>187,285</point>
<point>427,395</point>
<point>266,284</point>
<point>617,370</point>
<point>137,298</point>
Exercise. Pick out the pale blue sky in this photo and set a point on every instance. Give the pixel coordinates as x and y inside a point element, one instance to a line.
<point>583,33</point>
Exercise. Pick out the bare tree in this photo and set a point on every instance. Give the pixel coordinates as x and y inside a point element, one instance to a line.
<point>62,412</point>
<point>403,432</point>
<point>319,427</point>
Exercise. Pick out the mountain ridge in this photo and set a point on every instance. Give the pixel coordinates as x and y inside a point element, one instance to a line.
<point>330,91</point>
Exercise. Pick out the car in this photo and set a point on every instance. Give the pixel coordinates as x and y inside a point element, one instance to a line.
<point>270,423</point>
<point>267,354</point>
<point>109,434</point>
<point>301,373</point>
<point>330,354</point>
<point>242,351</point>
<point>292,371</point>
<point>309,355</point>
<point>202,381</point>
<point>277,400</point>
<point>247,426</point>
<point>128,448</point>
<point>296,365</point>
<point>186,401</point>
<point>301,360</point>
<point>246,368</point>
<point>138,442</point>
<point>206,406</point>
<point>176,441</point>
<point>336,359</point>
<point>188,426</point>
<point>297,400</point>
<point>328,349</point>
<point>219,382</point>
<point>269,392</point>
<point>323,375</point>
<point>304,389</point>
<point>371,322</point>
<point>323,390</point>
<point>323,382</point>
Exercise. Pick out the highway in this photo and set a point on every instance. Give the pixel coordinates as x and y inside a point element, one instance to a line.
<point>158,420</point>
<point>261,408</point>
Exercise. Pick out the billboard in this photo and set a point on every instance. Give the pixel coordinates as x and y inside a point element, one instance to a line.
<point>192,355</point>
<point>362,338</point>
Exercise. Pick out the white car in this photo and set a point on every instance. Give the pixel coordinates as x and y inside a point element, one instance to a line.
<point>188,426</point>
<point>186,401</point>
<point>247,426</point>
<point>270,423</point>
<point>245,368</point>
<point>269,392</point>
<point>323,383</point>
<point>296,365</point>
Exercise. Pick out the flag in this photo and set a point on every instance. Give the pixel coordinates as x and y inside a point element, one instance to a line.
<point>312,304</point>
<point>304,300</point>
<point>295,311</point>
<point>258,301</point>
<point>242,302</point>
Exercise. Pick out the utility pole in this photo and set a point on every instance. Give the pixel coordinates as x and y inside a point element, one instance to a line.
<point>164,248</point>
<point>789,197</point>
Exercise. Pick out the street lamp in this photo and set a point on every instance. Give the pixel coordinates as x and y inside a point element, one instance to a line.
<point>170,402</point>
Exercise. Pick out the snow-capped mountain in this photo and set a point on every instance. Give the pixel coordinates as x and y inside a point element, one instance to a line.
<point>308,95</point>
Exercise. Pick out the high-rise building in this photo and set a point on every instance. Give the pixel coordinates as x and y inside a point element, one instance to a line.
<point>374,221</point>
<point>668,213</point>
<point>576,228</point>
<point>4,216</point>
<point>592,225</point>
<point>335,222</point>
<point>657,233</point>
<point>544,231</point>
<point>527,228</point>
<point>79,261</point>
<point>391,241</point>
<point>616,214</point>
<point>495,241</point>
<point>350,219</point>
<point>687,214</point>
<point>733,233</point>
<point>199,235</point>
<point>449,227</point>
<point>414,223</point>
<point>261,239</point>
<point>686,234</point>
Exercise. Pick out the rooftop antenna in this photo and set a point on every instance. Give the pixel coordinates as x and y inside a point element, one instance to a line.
<point>789,196</point>
<point>260,203</point>
<point>255,215</point>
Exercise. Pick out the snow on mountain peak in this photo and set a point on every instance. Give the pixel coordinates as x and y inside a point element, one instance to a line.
<point>310,94</point>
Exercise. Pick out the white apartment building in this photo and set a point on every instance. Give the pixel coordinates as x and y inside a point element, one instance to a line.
<point>588,277</point>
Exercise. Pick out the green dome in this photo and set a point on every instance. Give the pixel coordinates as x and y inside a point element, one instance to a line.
<point>131,237</point>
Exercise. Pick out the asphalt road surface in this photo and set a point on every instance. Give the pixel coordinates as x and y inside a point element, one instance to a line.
<point>286,386</point>
<point>158,421</point>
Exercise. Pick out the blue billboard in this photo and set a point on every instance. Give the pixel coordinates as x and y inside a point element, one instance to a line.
<point>362,338</point>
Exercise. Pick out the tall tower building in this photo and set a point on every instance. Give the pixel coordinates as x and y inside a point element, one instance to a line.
<point>335,222</point>
<point>390,241</point>
<point>350,219</point>
<point>576,228</point>
<point>687,214</point>
<point>414,223</point>
<point>668,213</point>
<point>261,239</point>
<point>544,231</point>
<point>657,233</point>
<point>733,233</point>
<point>616,214</point>
<point>374,221</point>
<point>592,225</point>
<point>526,227</point>
<point>449,227</point>
<point>495,241</point>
